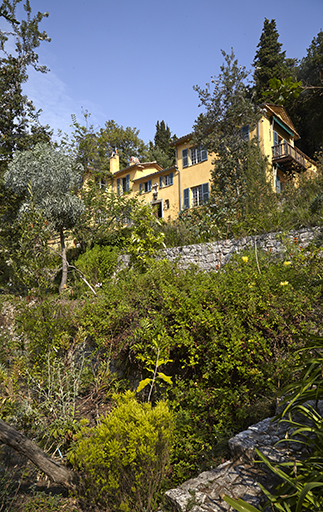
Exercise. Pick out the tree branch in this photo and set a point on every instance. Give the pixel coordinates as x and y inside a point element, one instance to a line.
<point>59,474</point>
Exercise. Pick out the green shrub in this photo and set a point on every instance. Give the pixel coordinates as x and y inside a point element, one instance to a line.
<point>98,263</point>
<point>125,457</point>
<point>301,485</point>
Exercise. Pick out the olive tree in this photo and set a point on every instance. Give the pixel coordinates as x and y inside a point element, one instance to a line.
<point>48,178</point>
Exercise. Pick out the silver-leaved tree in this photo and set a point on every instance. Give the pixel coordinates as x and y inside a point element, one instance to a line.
<point>49,179</point>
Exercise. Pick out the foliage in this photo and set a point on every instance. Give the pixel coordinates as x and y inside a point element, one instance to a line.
<point>269,61</point>
<point>145,240</point>
<point>48,178</point>
<point>282,90</point>
<point>153,365</point>
<point>302,483</point>
<point>162,151</point>
<point>125,140</point>
<point>93,147</point>
<point>264,211</point>
<point>32,262</point>
<point>228,109</point>
<point>308,109</point>
<point>230,336</point>
<point>19,121</point>
<point>46,502</point>
<point>98,263</point>
<point>125,457</point>
<point>105,220</point>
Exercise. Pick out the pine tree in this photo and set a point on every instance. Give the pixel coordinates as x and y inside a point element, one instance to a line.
<point>269,61</point>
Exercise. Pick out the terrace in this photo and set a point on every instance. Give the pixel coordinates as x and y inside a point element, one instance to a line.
<point>289,158</point>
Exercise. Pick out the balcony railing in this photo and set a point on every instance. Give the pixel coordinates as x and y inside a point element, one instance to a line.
<point>289,158</point>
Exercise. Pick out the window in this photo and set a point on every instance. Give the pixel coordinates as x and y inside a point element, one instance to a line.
<point>123,185</point>
<point>198,155</point>
<point>168,180</point>
<point>245,132</point>
<point>185,157</point>
<point>200,194</point>
<point>145,187</point>
<point>160,181</point>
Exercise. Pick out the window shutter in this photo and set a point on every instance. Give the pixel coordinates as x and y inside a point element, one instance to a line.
<point>149,185</point>
<point>170,182</point>
<point>118,186</point>
<point>140,188</point>
<point>278,185</point>
<point>185,157</point>
<point>186,198</point>
<point>204,154</point>
<point>205,192</point>
<point>276,139</point>
<point>193,156</point>
<point>127,182</point>
<point>160,181</point>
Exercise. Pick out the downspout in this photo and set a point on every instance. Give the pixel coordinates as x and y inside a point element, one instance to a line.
<point>179,181</point>
<point>179,190</point>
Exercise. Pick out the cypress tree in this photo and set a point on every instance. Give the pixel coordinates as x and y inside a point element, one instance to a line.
<point>269,61</point>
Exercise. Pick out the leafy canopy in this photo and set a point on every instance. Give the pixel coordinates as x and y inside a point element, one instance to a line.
<point>48,177</point>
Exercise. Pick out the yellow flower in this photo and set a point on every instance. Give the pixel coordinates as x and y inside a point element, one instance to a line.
<point>283,283</point>
<point>245,259</point>
<point>287,263</point>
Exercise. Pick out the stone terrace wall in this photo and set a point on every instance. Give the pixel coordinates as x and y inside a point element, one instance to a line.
<point>213,255</point>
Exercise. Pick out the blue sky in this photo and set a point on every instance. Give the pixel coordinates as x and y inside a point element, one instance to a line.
<point>136,61</point>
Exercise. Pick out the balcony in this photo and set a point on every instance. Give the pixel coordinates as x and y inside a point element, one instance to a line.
<point>290,159</point>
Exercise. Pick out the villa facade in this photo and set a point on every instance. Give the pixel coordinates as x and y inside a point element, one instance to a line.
<point>188,183</point>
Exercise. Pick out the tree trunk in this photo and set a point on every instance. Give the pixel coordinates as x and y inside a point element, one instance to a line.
<point>59,474</point>
<point>64,262</point>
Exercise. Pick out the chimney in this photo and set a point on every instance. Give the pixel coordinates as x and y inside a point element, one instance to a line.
<point>114,162</point>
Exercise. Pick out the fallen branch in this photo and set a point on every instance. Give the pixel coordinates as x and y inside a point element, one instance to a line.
<point>56,472</point>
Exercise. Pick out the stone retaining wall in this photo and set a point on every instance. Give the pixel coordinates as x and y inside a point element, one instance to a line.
<point>213,255</point>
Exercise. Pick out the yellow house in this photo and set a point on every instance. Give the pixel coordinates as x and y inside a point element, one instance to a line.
<point>188,183</point>
<point>276,137</point>
<point>157,186</point>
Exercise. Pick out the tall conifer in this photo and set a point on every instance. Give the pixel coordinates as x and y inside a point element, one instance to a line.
<point>269,61</point>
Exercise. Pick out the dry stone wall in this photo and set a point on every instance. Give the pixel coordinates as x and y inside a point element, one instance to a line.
<point>213,255</point>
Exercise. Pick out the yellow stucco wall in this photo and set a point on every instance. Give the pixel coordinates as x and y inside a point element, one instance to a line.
<point>170,199</point>
<point>192,175</point>
<point>166,196</point>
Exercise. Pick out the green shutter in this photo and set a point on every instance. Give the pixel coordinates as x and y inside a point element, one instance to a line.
<point>185,157</point>
<point>118,187</point>
<point>205,192</point>
<point>186,198</point>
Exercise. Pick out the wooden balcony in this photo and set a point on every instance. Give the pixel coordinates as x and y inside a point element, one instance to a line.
<point>290,159</point>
